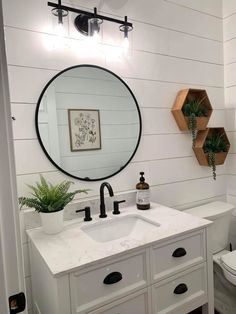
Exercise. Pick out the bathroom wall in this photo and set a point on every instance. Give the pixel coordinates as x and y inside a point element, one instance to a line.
<point>229,24</point>
<point>177,44</point>
<point>172,50</point>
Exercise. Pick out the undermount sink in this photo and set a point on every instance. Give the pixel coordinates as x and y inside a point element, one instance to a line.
<point>117,228</point>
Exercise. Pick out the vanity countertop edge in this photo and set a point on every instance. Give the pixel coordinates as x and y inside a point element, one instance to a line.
<point>72,249</point>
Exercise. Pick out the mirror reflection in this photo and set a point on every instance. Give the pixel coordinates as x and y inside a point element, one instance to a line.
<point>88,122</point>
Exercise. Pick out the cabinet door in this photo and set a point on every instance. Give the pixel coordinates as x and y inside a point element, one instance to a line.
<point>134,304</point>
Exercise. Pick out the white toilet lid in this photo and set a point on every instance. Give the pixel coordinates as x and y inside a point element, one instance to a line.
<point>229,262</point>
<point>211,210</point>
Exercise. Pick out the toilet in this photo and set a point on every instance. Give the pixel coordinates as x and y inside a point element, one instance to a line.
<point>220,213</point>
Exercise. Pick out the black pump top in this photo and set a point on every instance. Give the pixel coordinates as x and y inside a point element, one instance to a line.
<point>142,179</point>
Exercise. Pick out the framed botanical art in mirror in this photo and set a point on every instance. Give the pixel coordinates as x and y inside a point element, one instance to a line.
<point>88,122</point>
<point>84,128</point>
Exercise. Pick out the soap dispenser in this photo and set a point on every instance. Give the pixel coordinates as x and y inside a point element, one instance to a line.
<point>143,193</point>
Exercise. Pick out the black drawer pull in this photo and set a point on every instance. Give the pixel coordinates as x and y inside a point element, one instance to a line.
<point>179,252</point>
<point>181,288</point>
<point>112,278</point>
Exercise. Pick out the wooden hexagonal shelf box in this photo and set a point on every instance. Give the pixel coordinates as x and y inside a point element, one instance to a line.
<point>186,96</point>
<point>200,146</point>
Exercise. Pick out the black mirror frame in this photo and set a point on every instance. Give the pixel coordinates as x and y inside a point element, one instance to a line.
<point>38,133</point>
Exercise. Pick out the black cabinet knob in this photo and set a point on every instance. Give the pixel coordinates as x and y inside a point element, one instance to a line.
<point>181,288</point>
<point>112,278</point>
<point>179,252</point>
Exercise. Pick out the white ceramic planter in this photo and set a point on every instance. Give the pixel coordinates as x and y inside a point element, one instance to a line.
<point>52,222</point>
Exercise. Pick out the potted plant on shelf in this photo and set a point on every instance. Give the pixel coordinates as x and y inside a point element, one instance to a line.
<point>193,111</point>
<point>211,148</point>
<point>49,200</point>
<point>214,144</point>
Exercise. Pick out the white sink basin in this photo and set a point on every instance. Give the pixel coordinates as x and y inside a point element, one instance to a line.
<point>117,228</point>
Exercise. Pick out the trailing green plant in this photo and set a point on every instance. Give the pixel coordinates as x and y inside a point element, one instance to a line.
<point>48,198</point>
<point>214,144</point>
<point>211,157</point>
<point>194,109</point>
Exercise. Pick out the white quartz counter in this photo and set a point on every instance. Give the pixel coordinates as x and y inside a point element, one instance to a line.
<point>72,248</point>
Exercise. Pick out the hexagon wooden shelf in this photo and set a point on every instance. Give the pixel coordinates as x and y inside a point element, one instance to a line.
<point>201,156</point>
<point>182,98</point>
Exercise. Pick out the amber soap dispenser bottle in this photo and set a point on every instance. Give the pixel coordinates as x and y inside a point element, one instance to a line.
<point>143,193</point>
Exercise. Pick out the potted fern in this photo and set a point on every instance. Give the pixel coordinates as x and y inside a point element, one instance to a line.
<point>49,200</point>
<point>195,113</point>
<point>215,147</point>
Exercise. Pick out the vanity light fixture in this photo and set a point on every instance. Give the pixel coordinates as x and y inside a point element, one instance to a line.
<point>89,23</point>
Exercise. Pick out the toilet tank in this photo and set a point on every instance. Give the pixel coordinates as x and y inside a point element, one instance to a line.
<point>220,213</point>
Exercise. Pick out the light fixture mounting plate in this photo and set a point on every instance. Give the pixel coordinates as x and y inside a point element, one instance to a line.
<point>81,24</point>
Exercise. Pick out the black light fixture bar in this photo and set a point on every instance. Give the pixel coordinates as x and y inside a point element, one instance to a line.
<point>89,14</point>
<point>60,19</point>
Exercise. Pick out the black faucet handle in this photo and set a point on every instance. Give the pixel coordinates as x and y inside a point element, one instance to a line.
<point>87,212</point>
<point>116,204</point>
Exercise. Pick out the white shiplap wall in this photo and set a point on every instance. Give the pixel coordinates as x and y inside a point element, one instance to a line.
<point>229,24</point>
<point>176,44</point>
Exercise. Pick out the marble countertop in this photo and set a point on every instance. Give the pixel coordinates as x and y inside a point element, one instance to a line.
<point>73,249</point>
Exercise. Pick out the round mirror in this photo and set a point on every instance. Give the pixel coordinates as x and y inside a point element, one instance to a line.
<point>88,122</point>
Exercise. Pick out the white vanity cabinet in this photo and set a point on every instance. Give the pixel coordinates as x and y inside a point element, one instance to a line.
<point>165,277</point>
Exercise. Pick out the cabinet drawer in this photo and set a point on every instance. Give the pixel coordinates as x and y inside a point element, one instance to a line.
<point>172,257</point>
<point>180,294</point>
<point>97,286</point>
<point>133,304</point>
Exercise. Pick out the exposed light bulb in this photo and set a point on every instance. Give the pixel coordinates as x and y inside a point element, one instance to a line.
<point>96,37</point>
<point>125,46</point>
<point>60,30</point>
<point>125,43</point>
<point>60,40</point>
<point>93,41</point>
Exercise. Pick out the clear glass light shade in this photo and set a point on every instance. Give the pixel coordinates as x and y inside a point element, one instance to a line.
<point>60,29</point>
<point>126,41</point>
<point>60,22</point>
<point>95,29</point>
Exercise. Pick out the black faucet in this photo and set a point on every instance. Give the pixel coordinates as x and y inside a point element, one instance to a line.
<point>102,201</point>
